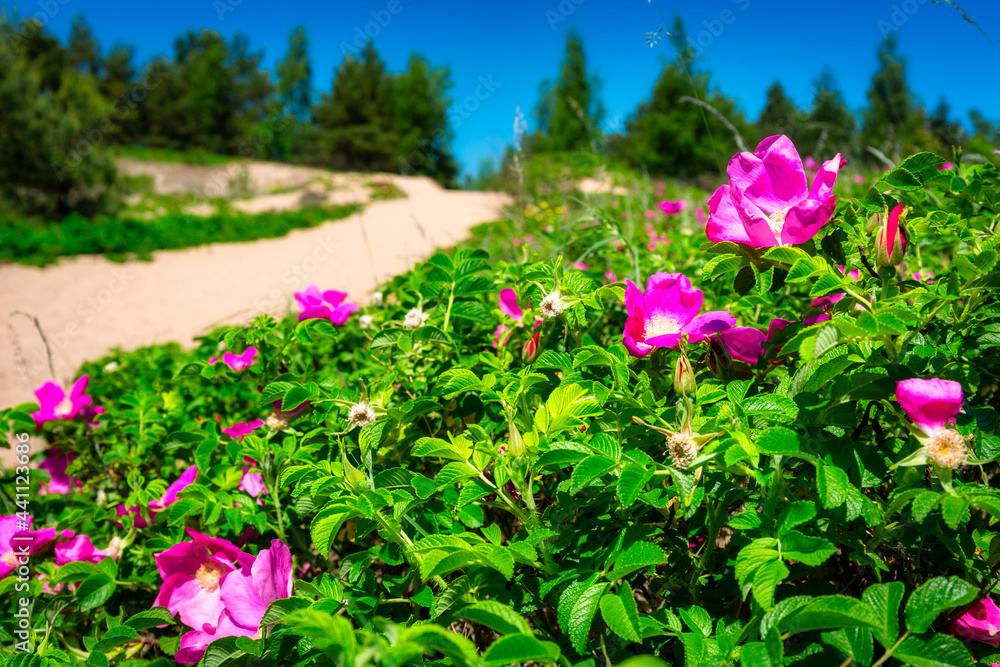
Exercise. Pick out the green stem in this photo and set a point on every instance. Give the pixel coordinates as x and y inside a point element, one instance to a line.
<point>860,299</point>
<point>451,302</point>
<point>888,653</point>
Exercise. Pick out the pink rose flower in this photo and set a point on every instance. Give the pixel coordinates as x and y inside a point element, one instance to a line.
<point>981,623</point>
<point>54,403</point>
<point>932,405</point>
<point>924,277</point>
<point>742,343</point>
<point>169,497</point>
<point>56,464</point>
<point>766,202</point>
<point>17,540</point>
<point>668,310</point>
<point>325,306</point>
<point>80,548</point>
<point>237,362</point>
<point>193,573</point>
<point>672,207</point>
<point>240,430</point>
<point>245,595</point>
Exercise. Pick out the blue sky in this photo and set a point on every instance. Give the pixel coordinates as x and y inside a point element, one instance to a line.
<point>513,46</point>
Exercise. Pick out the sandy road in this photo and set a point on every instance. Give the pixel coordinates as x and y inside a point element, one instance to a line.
<point>87,305</point>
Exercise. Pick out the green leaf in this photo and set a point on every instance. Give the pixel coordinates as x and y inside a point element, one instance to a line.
<point>451,595</point>
<point>523,648</point>
<point>95,591</point>
<point>831,483</point>
<point>371,435</point>
<point>278,609</point>
<point>497,616</point>
<point>884,599</point>
<point>151,618</point>
<point>805,549</point>
<point>939,651</point>
<point>295,397</point>
<point>778,440</point>
<point>331,634</point>
<point>114,637</point>
<point>583,612</point>
<point>631,481</point>
<point>637,556</point>
<point>621,614</point>
<point>588,470</point>
<point>460,450</point>
<point>831,612</point>
<point>794,514</point>
<point>765,580</point>
<point>566,408</point>
<point>326,525</point>
<point>933,597</point>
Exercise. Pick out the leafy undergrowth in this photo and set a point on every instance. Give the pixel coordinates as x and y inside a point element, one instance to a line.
<point>38,244</point>
<point>501,462</point>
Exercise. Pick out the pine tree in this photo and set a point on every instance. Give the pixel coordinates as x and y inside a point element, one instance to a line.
<point>569,112</point>
<point>421,120</point>
<point>892,122</point>
<point>295,77</point>
<point>779,116</point>
<point>829,126</point>
<point>354,121</point>
<point>83,52</point>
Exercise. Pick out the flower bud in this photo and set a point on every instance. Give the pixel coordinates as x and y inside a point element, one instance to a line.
<point>515,443</point>
<point>890,242</point>
<point>530,350</point>
<point>684,381</point>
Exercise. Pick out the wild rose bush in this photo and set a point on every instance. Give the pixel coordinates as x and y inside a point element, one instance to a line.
<point>741,453</point>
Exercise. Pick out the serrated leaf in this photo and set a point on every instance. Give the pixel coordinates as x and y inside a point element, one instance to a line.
<point>831,612</point>
<point>939,651</point>
<point>621,616</point>
<point>583,612</point>
<point>631,481</point>
<point>884,599</point>
<point>523,648</point>
<point>933,597</point>
<point>497,616</point>
<point>638,556</point>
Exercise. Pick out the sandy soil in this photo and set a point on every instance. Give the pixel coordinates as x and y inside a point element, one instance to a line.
<point>87,305</point>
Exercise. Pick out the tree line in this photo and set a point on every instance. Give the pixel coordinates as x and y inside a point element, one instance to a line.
<point>67,105</point>
<point>686,127</point>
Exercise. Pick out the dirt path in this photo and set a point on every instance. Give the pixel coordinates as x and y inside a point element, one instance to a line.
<point>88,305</point>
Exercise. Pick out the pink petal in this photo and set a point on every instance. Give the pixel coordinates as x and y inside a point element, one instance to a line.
<point>822,185</point>
<point>634,334</point>
<point>252,483</point>
<point>743,343</point>
<point>61,483</point>
<point>315,312</point>
<point>79,387</point>
<point>755,222</point>
<point>805,219</point>
<point>80,548</point>
<point>192,647</point>
<point>931,403</point>
<point>241,598</point>
<point>197,606</point>
<point>333,297</point>
<point>980,623</point>
<point>709,323</point>
<point>724,223</point>
<point>508,304</point>
<point>343,312</point>
<point>892,229</point>
<point>771,177</point>
<point>498,334</point>
<point>672,207</point>
<point>272,572</point>
<point>671,295</point>
<point>170,495</point>
<point>776,325</point>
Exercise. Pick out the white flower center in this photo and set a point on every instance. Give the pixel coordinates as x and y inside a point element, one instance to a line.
<point>361,415</point>
<point>65,407</point>
<point>947,448</point>
<point>209,575</point>
<point>661,325</point>
<point>9,559</point>
<point>776,221</point>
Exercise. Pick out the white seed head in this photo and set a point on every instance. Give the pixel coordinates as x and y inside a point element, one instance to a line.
<point>115,547</point>
<point>377,299</point>
<point>277,420</point>
<point>552,305</point>
<point>361,415</point>
<point>947,448</point>
<point>682,449</point>
<point>366,321</point>
<point>110,367</point>
<point>414,319</point>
